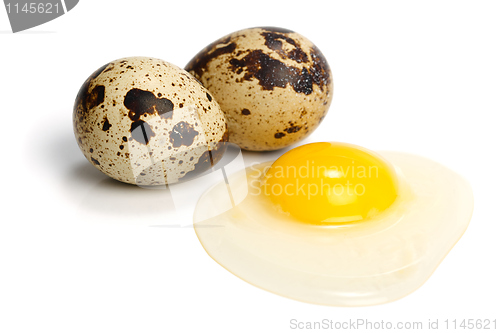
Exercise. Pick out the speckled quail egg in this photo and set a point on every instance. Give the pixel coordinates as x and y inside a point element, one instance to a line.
<point>273,84</point>
<point>145,121</point>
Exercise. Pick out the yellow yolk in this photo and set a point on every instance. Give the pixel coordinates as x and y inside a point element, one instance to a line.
<point>325,182</point>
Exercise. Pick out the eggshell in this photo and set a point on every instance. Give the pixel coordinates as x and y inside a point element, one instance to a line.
<point>145,121</point>
<point>273,84</point>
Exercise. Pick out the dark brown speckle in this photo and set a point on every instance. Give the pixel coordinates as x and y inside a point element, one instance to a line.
<point>182,134</point>
<point>143,102</point>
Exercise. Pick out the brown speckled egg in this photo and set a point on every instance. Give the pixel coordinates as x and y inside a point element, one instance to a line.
<point>147,122</point>
<point>273,84</point>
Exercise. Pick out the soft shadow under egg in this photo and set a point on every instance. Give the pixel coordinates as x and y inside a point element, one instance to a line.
<point>159,205</point>
<point>100,196</point>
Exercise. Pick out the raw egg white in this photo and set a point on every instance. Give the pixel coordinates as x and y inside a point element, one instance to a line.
<point>336,224</point>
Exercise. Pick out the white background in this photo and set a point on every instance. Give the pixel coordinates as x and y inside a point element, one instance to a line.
<point>77,250</point>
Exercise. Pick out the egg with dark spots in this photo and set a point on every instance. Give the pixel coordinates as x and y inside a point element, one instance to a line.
<point>134,117</point>
<point>274,85</point>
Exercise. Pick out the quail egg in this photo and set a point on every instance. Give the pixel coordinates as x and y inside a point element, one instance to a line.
<point>274,85</point>
<point>145,121</point>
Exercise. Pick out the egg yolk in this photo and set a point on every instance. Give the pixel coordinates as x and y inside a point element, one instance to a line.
<point>328,182</point>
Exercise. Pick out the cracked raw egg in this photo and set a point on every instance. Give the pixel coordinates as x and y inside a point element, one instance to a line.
<point>274,85</point>
<point>336,224</point>
<point>145,121</point>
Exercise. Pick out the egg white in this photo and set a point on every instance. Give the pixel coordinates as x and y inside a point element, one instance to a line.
<point>370,262</point>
